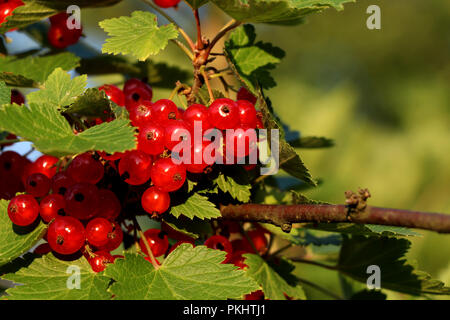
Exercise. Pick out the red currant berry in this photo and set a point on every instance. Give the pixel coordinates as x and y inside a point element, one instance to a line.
<point>7,8</point>
<point>100,261</point>
<point>23,210</point>
<point>44,164</point>
<point>135,167</point>
<point>166,3</point>
<point>247,114</point>
<point>175,132</point>
<point>17,97</point>
<point>109,206</point>
<point>42,249</point>
<point>223,113</point>
<point>238,260</point>
<point>164,110</point>
<point>257,295</point>
<point>180,113</point>
<point>244,94</point>
<point>218,242</point>
<point>38,185</point>
<point>111,157</point>
<point>197,112</point>
<point>243,140</point>
<point>198,164</point>
<point>115,238</point>
<point>140,112</point>
<point>136,91</point>
<point>157,240</point>
<point>258,237</point>
<point>59,36</point>
<point>59,18</point>
<point>151,138</point>
<point>61,181</point>
<point>97,231</point>
<point>84,168</point>
<point>168,176</point>
<point>155,201</point>
<point>82,201</point>
<point>12,163</point>
<point>133,83</point>
<point>114,94</point>
<point>66,235</point>
<point>51,207</point>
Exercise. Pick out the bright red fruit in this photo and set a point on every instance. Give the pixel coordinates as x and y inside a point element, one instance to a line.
<point>84,168</point>
<point>164,110</point>
<point>197,112</point>
<point>82,201</point>
<point>115,238</point>
<point>109,206</point>
<point>247,114</point>
<point>51,207</point>
<point>42,249</point>
<point>257,295</point>
<point>197,155</point>
<point>151,138</point>
<point>17,97</point>
<point>155,201</point>
<point>12,163</point>
<point>23,210</point>
<point>218,242</point>
<point>61,181</point>
<point>136,91</point>
<point>59,34</point>
<point>238,260</point>
<point>224,114</point>
<point>157,240</point>
<point>114,94</point>
<point>44,164</point>
<point>166,3</point>
<point>140,112</point>
<point>244,94</point>
<point>175,131</point>
<point>6,8</point>
<point>100,260</point>
<point>38,185</point>
<point>66,235</point>
<point>168,176</point>
<point>135,167</point>
<point>97,231</point>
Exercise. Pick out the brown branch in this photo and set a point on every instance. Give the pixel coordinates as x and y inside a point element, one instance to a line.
<point>228,27</point>
<point>284,215</point>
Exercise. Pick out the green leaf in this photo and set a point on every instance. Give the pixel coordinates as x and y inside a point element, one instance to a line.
<point>196,206</point>
<point>192,228</point>
<point>186,274</point>
<point>272,283</point>
<point>46,278</point>
<point>93,103</point>
<point>36,10</point>
<point>284,12</point>
<point>364,230</point>
<point>5,94</point>
<point>202,96</point>
<point>195,4</point>
<point>252,60</point>
<point>33,70</point>
<point>359,252</point>
<point>138,35</point>
<point>237,186</point>
<point>14,240</point>
<point>312,142</point>
<point>298,198</point>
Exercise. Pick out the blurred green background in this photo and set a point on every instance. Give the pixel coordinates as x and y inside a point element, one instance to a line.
<point>383,95</point>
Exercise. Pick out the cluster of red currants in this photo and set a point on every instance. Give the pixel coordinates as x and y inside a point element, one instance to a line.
<point>60,35</point>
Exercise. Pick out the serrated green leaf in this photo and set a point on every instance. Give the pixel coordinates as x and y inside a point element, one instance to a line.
<point>5,93</point>
<point>284,12</point>
<point>359,252</point>
<point>272,283</point>
<point>93,103</point>
<point>196,206</point>
<point>363,230</point>
<point>46,278</point>
<point>202,96</point>
<point>15,80</point>
<point>238,186</point>
<point>138,35</point>
<point>32,70</point>
<point>192,228</point>
<point>186,274</point>
<point>14,240</point>
<point>36,10</point>
<point>252,60</point>
<point>195,4</point>
<point>312,142</point>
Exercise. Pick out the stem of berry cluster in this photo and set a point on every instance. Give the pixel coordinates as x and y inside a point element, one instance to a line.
<point>285,215</point>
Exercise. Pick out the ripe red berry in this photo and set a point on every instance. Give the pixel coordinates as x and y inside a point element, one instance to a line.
<point>151,138</point>
<point>23,210</point>
<point>198,162</point>
<point>17,97</point>
<point>59,36</point>
<point>237,259</point>
<point>44,164</point>
<point>244,94</point>
<point>115,238</point>
<point>157,240</point>
<point>168,176</point>
<point>12,163</point>
<point>197,112</point>
<point>155,201</point>
<point>114,94</point>
<point>247,114</point>
<point>84,168</point>
<point>42,249</point>
<point>243,141</point>
<point>166,3</point>
<point>135,91</point>
<point>257,295</point>
<point>175,132</point>
<point>163,111</point>
<point>6,8</point>
<point>218,242</point>
<point>224,114</point>
<point>51,207</point>
<point>140,112</point>
<point>66,235</point>
<point>135,167</point>
<point>259,239</point>
<point>38,185</point>
<point>82,201</point>
<point>109,206</point>
<point>97,231</point>
<point>100,260</point>
<point>61,181</point>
